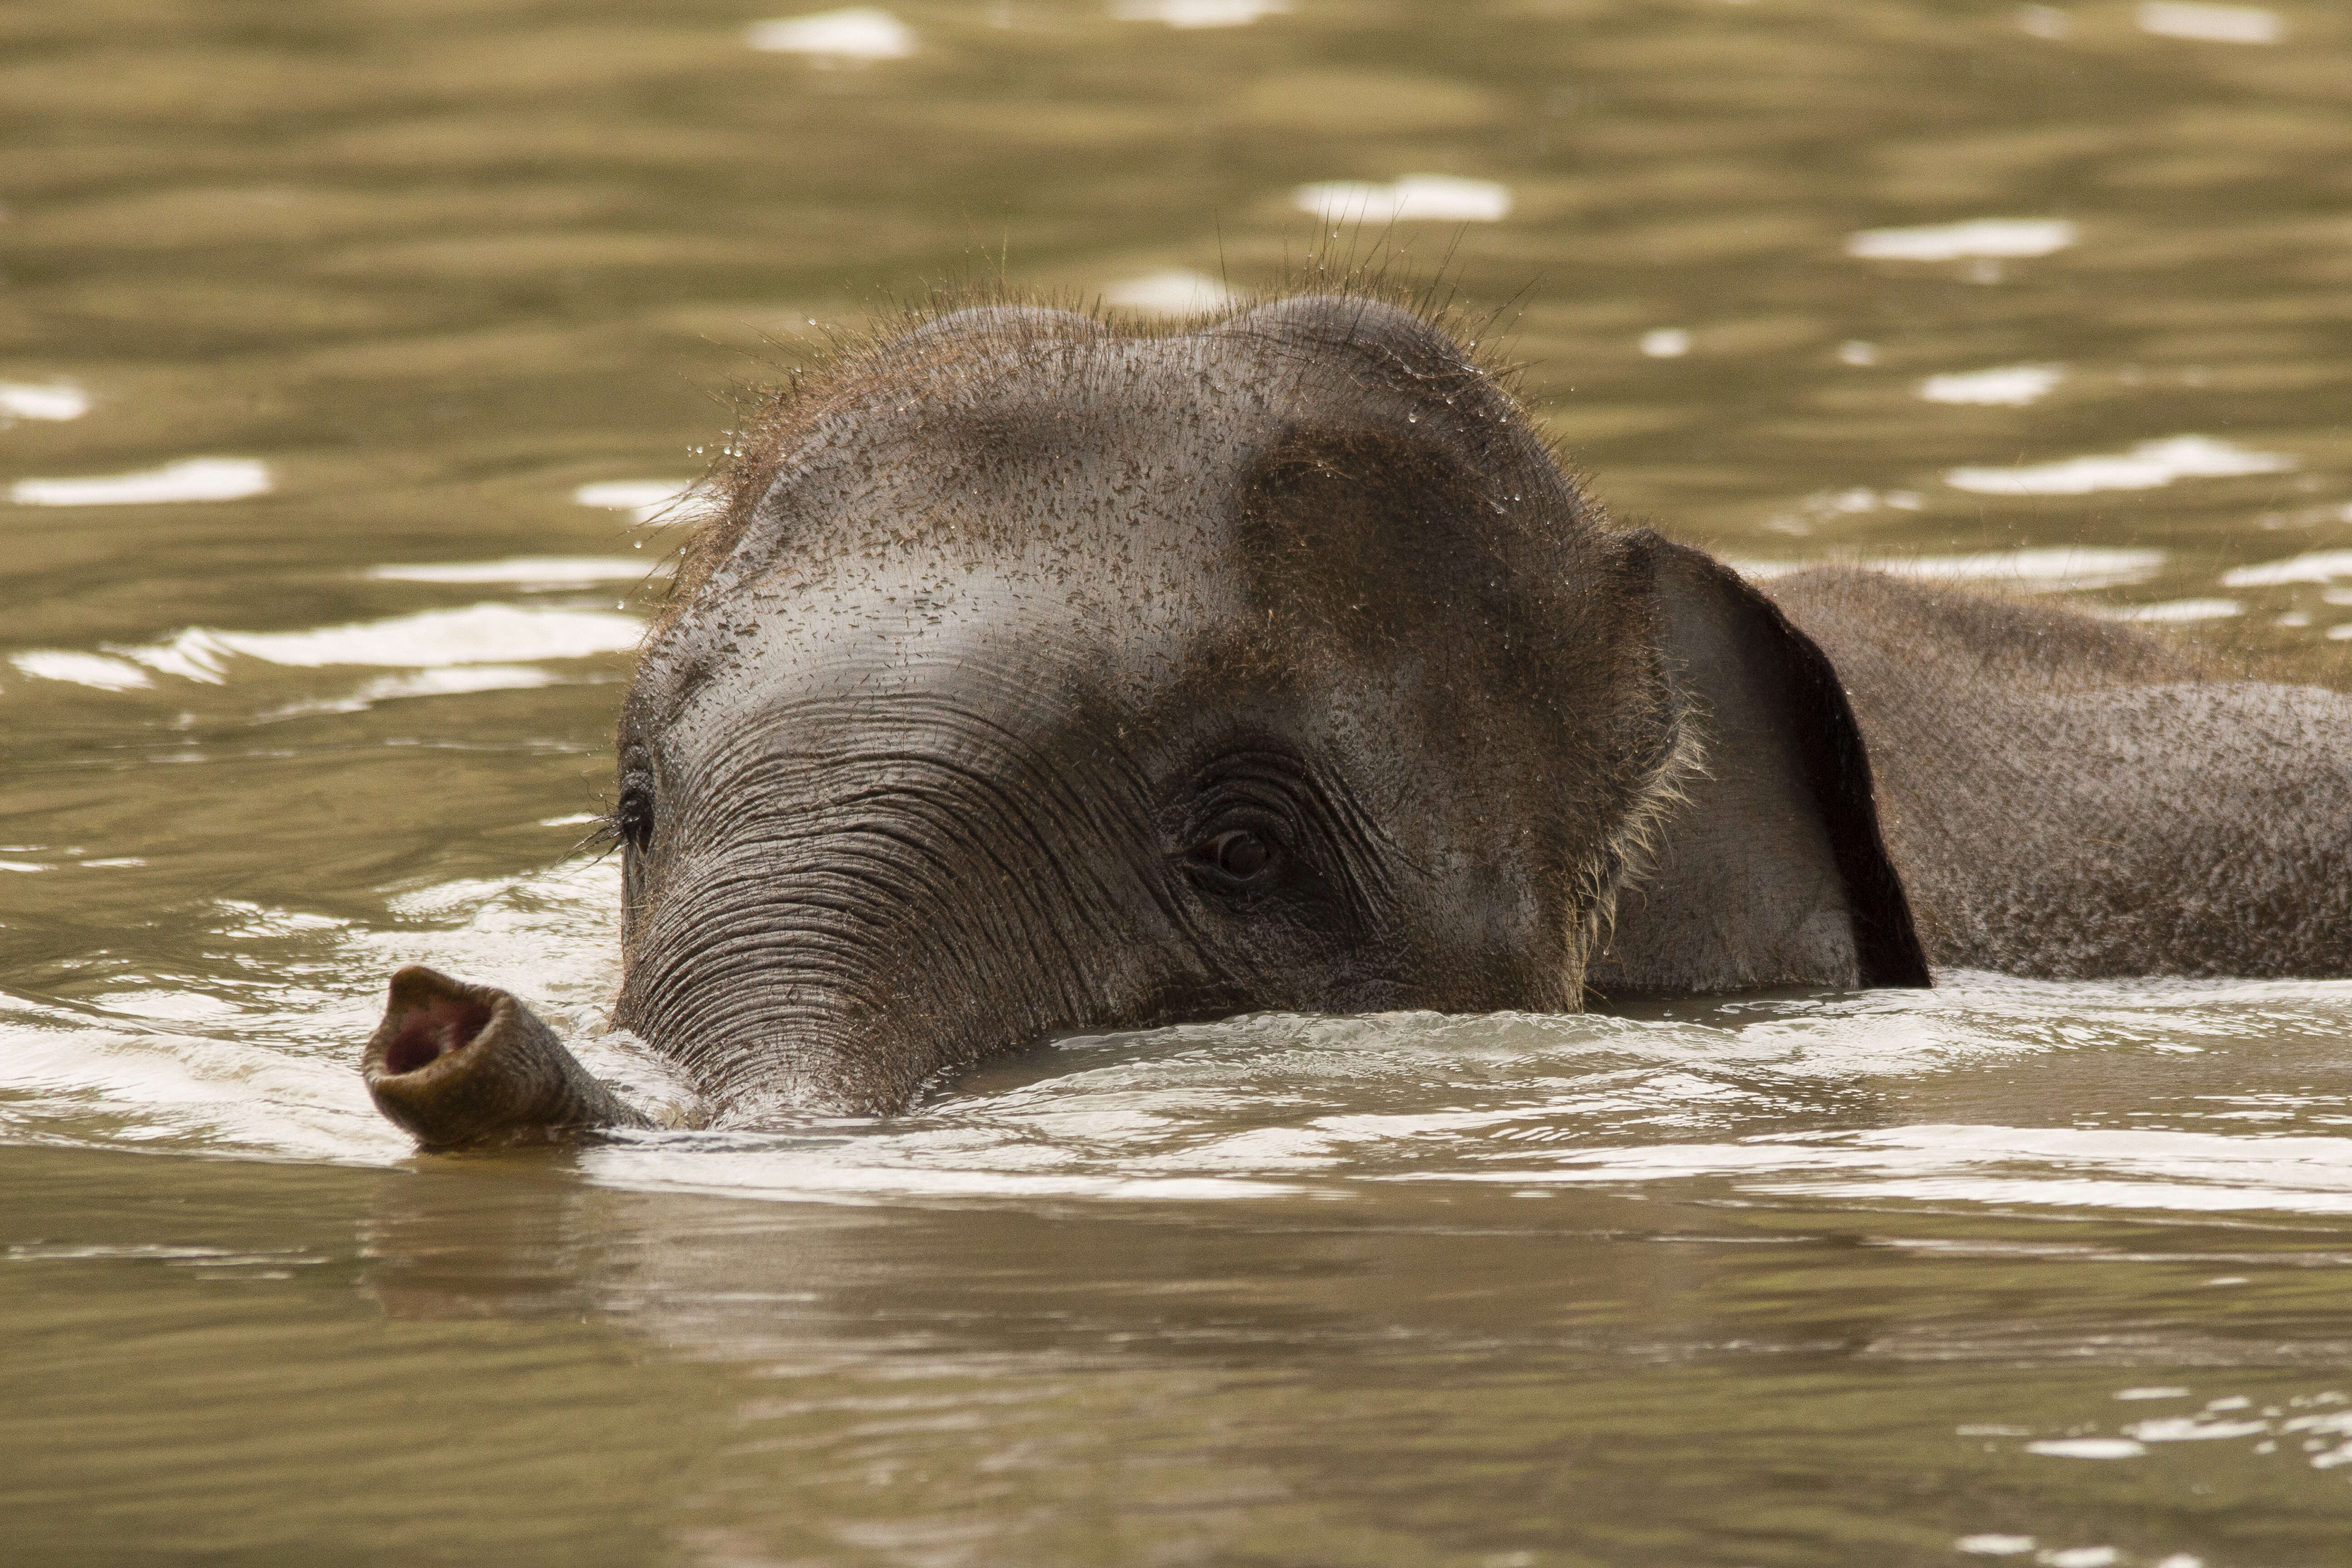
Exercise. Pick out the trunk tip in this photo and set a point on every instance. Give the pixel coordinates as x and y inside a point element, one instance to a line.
<point>427,1016</point>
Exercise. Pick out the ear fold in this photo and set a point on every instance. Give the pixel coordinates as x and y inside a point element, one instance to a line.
<point>1773,871</point>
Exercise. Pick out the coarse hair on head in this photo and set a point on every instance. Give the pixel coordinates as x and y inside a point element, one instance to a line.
<point>829,376</point>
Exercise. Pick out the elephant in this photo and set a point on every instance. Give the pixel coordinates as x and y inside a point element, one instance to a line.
<point>1043,675</point>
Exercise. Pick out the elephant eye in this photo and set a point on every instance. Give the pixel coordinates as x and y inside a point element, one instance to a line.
<point>1238,853</point>
<point>632,819</point>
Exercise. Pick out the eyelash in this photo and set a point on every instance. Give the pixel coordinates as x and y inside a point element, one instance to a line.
<point>632,819</point>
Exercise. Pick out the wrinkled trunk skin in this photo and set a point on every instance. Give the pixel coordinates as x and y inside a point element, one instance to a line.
<point>458,1065</point>
<point>843,987</point>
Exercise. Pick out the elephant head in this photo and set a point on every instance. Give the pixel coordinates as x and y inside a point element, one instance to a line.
<point>1043,677</point>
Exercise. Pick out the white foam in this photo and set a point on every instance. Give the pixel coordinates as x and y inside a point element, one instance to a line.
<point>482,633</point>
<point>82,669</point>
<point>2312,566</point>
<point>1994,1545</point>
<point>2146,467</point>
<point>1242,1109</point>
<point>858,33</point>
<point>2011,385</point>
<point>42,400</point>
<point>1984,236</point>
<point>1439,198</point>
<point>1198,13</point>
<point>1519,1102</point>
<point>1665,343</point>
<point>241,1092</point>
<point>527,572</point>
<point>274,1075</point>
<point>2210,24</point>
<point>648,500</point>
<point>193,479</point>
<point>2173,610</point>
<point>1175,293</point>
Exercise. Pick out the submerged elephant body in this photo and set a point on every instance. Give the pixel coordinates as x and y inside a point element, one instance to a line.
<point>2068,798</point>
<point>1040,678</point>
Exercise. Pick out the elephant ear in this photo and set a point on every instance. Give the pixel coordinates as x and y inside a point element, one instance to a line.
<point>1772,869</point>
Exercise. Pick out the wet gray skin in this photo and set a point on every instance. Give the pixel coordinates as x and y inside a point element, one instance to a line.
<point>1042,679</point>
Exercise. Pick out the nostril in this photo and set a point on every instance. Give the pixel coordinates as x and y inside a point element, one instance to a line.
<point>432,1031</point>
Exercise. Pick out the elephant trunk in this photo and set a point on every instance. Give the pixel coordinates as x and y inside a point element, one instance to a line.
<point>456,1064</point>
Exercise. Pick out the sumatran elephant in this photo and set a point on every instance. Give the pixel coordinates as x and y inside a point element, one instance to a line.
<point>1043,677</point>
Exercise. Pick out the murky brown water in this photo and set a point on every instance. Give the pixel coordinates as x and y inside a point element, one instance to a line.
<point>2006,1272</point>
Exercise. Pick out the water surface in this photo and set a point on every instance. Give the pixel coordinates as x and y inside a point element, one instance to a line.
<point>351,358</point>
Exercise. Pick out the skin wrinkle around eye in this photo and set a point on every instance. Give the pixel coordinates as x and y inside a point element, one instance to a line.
<point>1322,828</point>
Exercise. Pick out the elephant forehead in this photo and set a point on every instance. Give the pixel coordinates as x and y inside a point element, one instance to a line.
<point>1119,455</point>
<point>991,636</point>
<point>990,669</point>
